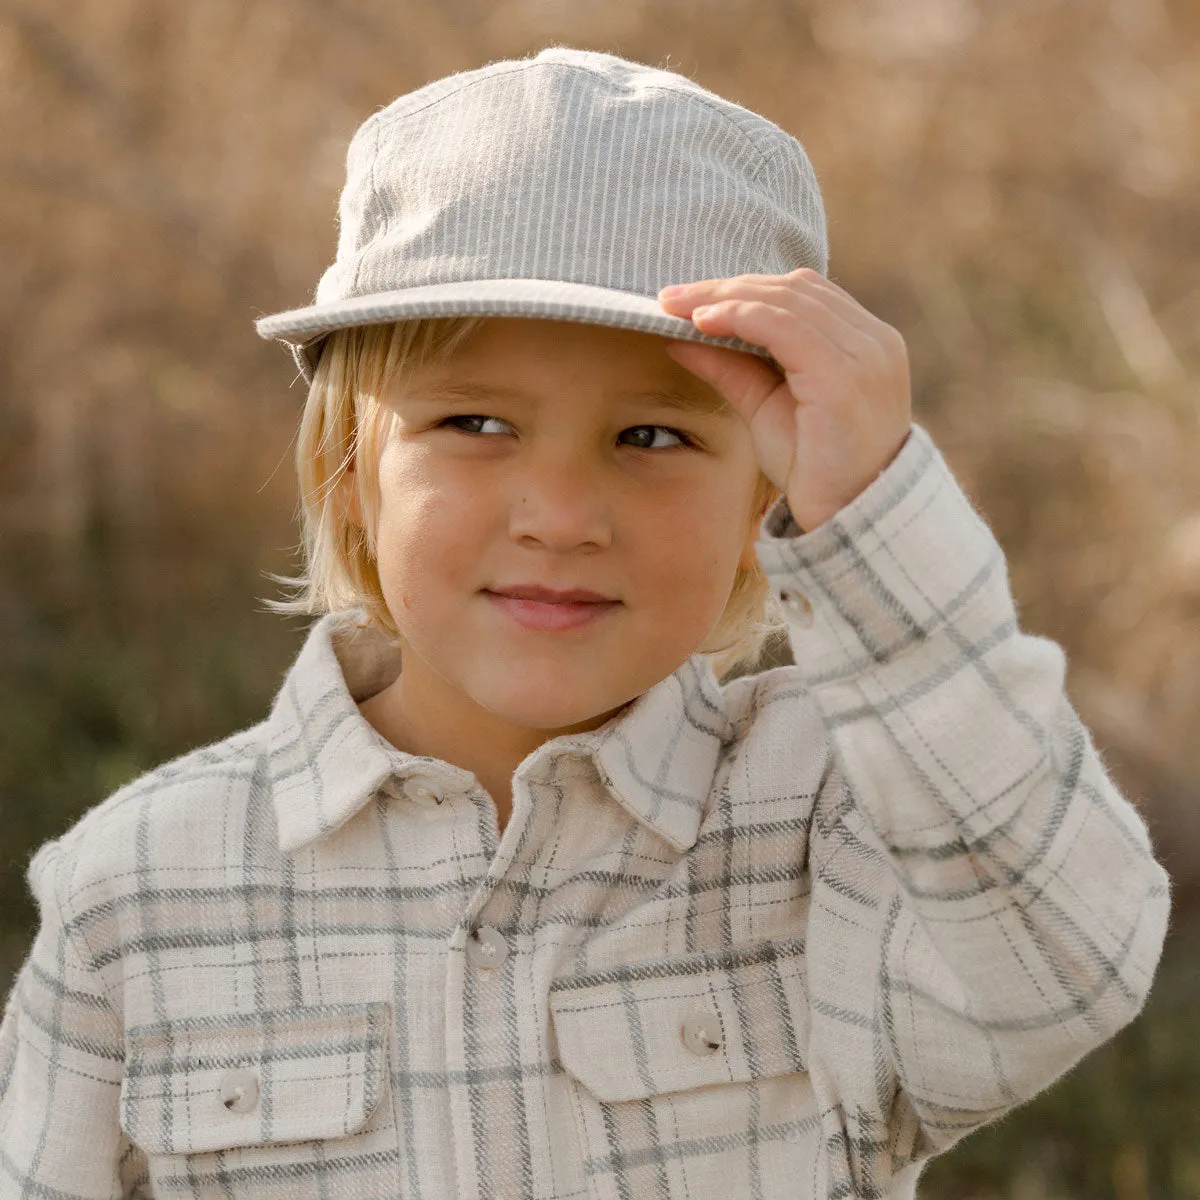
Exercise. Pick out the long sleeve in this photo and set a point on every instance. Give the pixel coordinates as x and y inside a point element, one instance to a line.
<point>61,1060</point>
<point>986,908</point>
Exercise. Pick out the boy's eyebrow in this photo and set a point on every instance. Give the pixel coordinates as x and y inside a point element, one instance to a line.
<point>706,402</point>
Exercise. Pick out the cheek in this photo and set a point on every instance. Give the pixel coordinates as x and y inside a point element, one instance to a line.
<point>415,515</point>
<point>690,550</point>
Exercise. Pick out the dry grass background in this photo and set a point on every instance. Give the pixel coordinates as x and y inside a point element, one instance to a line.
<point>1015,186</point>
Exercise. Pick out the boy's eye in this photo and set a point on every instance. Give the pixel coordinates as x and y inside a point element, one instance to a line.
<point>645,444</point>
<point>472,417</point>
<point>681,438</point>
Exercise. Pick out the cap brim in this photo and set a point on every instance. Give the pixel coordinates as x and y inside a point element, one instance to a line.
<point>304,330</point>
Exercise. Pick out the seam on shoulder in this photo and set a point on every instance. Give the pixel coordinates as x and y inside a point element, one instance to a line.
<point>72,928</point>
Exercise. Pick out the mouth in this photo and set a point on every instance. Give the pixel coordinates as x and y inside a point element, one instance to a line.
<point>535,591</point>
<point>553,615</point>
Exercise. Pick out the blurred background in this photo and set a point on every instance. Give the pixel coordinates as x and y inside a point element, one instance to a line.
<point>1014,185</point>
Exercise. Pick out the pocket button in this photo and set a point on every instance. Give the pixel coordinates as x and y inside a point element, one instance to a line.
<point>239,1091</point>
<point>701,1033</point>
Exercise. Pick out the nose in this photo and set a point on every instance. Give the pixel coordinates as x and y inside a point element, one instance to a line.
<point>559,504</point>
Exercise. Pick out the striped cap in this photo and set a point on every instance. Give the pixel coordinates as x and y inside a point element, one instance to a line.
<point>571,185</point>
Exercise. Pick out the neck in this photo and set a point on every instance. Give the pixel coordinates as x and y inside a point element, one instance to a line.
<point>421,713</point>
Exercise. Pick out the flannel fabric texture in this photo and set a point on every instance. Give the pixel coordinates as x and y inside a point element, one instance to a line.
<point>783,937</point>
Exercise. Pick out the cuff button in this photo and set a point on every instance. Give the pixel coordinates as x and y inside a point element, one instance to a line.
<point>796,607</point>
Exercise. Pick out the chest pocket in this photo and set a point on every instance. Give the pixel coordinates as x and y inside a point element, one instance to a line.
<point>677,1066</point>
<point>279,1093</point>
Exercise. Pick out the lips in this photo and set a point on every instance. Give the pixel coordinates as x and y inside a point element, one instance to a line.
<point>551,615</point>
<point>533,591</point>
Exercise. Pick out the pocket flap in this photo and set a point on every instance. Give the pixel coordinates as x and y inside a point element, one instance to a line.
<point>621,1032</point>
<point>316,1072</point>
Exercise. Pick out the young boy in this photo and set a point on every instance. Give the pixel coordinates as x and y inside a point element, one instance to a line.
<point>517,892</point>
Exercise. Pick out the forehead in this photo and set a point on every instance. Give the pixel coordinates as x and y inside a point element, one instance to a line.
<point>524,359</point>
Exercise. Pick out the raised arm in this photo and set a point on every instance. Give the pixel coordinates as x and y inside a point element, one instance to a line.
<point>985,905</point>
<point>986,908</point>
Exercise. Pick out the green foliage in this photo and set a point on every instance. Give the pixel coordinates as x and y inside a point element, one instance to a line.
<point>88,709</point>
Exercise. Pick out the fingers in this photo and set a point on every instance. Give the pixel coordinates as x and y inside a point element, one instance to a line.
<point>845,397</point>
<point>792,336</point>
<point>822,314</point>
<point>797,288</point>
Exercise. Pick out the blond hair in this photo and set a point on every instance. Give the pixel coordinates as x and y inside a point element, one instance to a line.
<point>345,422</point>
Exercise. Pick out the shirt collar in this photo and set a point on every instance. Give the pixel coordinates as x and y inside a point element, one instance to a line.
<point>657,756</point>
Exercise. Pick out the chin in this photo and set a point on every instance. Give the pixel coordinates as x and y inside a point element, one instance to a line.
<point>534,712</point>
<point>549,702</point>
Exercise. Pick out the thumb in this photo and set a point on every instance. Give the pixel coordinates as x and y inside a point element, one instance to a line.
<point>745,380</point>
<point>757,393</point>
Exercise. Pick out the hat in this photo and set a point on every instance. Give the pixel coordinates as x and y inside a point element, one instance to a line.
<point>571,185</point>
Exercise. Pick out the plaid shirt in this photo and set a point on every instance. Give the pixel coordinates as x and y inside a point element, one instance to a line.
<point>785,937</point>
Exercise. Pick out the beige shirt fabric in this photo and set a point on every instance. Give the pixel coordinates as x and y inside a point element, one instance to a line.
<point>786,937</point>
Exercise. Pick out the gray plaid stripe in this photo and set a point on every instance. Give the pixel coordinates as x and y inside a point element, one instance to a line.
<point>621,1162</point>
<point>702,963</point>
<point>369,1174</point>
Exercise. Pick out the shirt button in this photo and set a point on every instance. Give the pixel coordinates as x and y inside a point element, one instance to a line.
<point>239,1091</point>
<point>701,1033</point>
<point>797,608</point>
<point>423,790</point>
<point>486,947</point>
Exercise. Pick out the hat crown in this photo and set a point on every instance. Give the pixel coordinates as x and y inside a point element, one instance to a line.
<point>571,185</point>
<point>574,166</point>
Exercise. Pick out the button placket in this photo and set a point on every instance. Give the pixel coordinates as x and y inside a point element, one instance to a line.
<point>486,947</point>
<point>424,791</point>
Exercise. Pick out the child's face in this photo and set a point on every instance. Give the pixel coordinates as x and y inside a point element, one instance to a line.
<point>566,480</point>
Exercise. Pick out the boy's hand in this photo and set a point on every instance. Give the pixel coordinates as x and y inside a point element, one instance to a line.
<point>843,409</point>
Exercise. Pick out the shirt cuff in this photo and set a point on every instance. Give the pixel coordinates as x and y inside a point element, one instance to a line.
<point>902,560</point>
